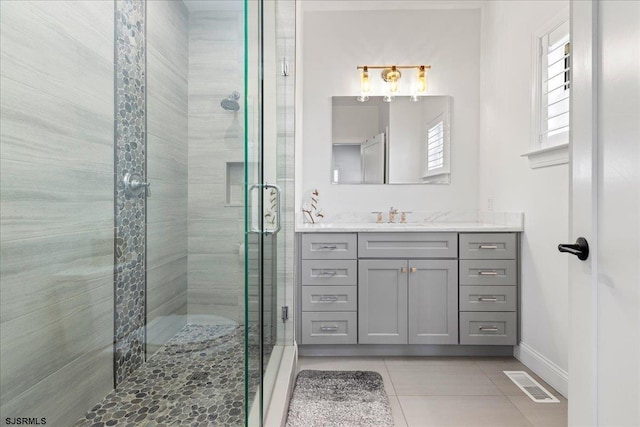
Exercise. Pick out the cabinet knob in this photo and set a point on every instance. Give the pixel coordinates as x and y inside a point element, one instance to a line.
<point>414,269</point>
<point>404,270</point>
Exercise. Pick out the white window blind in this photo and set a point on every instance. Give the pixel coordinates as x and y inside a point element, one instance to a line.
<point>435,148</point>
<point>555,86</point>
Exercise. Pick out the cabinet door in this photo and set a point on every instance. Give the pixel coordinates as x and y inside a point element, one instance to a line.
<point>433,302</point>
<point>382,302</point>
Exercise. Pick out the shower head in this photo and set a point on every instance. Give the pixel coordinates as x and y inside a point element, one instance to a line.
<point>230,103</point>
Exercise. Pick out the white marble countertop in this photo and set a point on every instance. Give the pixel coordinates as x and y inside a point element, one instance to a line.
<point>409,227</point>
<point>473,221</point>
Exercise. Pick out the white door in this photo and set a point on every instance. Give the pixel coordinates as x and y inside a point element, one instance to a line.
<point>604,355</point>
<point>372,155</point>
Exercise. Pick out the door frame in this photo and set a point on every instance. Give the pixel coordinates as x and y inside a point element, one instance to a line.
<point>583,213</point>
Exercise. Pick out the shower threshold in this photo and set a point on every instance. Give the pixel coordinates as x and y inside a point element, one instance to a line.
<point>195,379</point>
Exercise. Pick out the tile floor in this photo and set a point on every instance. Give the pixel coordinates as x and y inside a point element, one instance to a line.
<point>195,379</point>
<point>444,392</point>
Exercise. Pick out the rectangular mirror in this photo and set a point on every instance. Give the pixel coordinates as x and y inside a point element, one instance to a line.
<point>405,141</point>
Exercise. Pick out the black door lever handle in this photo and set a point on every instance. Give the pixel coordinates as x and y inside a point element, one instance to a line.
<point>579,249</point>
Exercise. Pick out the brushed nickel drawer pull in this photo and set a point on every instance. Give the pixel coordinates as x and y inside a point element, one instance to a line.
<point>488,246</point>
<point>328,247</point>
<point>328,328</point>
<point>403,270</point>
<point>328,298</point>
<point>488,273</point>
<point>488,299</point>
<point>327,273</point>
<point>414,269</point>
<point>489,329</point>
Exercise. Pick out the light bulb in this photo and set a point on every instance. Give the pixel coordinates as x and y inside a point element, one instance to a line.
<point>422,79</point>
<point>365,84</point>
<point>394,77</point>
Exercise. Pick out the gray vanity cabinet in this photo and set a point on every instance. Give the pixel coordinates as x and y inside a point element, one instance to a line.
<point>382,301</point>
<point>433,302</point>
<point>408,301</point>
<point>329,278</point>
<point>407,288</point>
<point>488,288</point>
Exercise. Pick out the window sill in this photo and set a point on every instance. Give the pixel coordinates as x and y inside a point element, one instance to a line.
<point>548,156</point>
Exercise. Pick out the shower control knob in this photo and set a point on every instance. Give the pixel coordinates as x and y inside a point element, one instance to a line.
<point>134,185</point>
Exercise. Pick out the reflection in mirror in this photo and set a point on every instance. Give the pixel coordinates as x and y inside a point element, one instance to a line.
<point>398,142</point>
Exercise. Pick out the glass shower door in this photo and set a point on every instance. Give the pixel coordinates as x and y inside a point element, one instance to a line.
<point>267,174</point>
<point>254,206</point>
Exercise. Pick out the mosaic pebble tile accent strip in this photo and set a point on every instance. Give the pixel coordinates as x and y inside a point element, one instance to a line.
<point>339,398</point>
<point>130,211</point>
<point>196,379</point>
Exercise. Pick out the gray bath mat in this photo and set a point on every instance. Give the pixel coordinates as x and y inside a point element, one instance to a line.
<point>339,399</point>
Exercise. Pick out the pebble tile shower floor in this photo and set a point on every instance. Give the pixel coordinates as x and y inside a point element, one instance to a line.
<point>196,379</point>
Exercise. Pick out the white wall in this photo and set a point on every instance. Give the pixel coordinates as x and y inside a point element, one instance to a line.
<point>505,176</point>
<point>334,43</point>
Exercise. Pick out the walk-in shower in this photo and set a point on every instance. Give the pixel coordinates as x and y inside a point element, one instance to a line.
<point>141,276</point>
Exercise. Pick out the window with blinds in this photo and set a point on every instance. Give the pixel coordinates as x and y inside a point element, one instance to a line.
<point>435,156</point>
<point>555,86</point>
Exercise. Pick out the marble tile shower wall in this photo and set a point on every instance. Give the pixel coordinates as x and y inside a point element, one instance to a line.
<point>56,202</point>
<point>215,229</point>
<point>167,133</point>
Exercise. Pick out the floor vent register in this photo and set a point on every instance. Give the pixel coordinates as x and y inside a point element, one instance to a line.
<point>531,387</point>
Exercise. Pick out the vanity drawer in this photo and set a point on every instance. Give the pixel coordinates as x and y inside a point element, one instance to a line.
<point>488,272</point>
<point>329,327</point>
<point>329,246</point>
<point>488,298</point>
<point>408,245</point>
<point>490,328</point>
<point>329,272</point>
<point>329,298</point>
<point>487,246</point>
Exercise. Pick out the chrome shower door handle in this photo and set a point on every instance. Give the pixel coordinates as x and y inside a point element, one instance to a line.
<point>252,228</point>
<point>278,209</point>
<point>134,185</point>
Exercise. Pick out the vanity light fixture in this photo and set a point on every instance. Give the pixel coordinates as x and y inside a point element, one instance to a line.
<point>391,75</point>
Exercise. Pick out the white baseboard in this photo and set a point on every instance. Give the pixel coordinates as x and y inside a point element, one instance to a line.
<point>557,377</point>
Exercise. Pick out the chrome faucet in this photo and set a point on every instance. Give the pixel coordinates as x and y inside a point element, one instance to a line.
<point>392,214</point>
